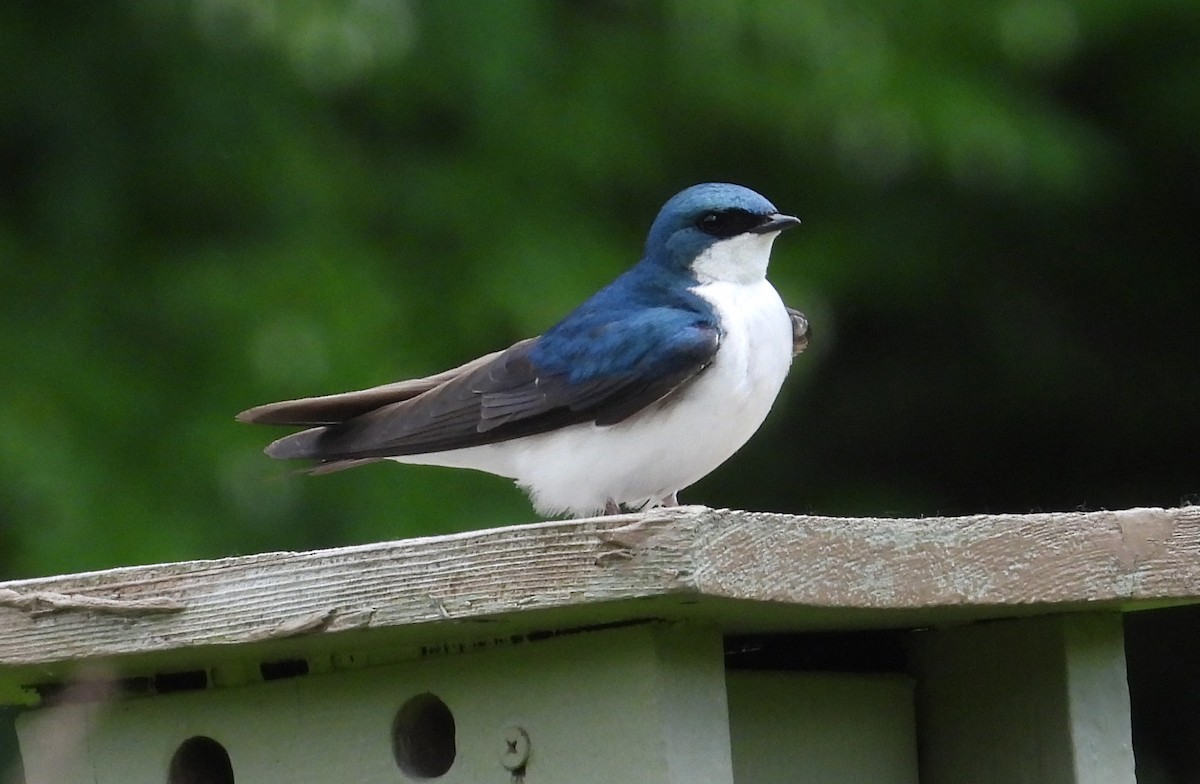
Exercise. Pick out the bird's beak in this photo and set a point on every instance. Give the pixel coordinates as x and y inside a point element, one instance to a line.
<point>776,222</point>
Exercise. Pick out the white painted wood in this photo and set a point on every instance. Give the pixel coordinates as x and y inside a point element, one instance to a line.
<point>688,562</point>
<point>1098,699</point>
<point>637,704</point>
<point>695,713</point>
<point>822,728</point>
<point>1030,701</point>
<point>54,746</point>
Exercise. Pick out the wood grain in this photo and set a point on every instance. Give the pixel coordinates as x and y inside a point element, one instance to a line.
<point>613,568</point>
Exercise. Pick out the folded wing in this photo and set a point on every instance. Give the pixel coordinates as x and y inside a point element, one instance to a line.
<point>604,375</point>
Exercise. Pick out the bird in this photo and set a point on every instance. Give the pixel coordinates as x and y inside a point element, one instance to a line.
<point>648,386</point>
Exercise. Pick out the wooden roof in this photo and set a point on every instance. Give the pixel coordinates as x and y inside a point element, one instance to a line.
<point>748,572</point>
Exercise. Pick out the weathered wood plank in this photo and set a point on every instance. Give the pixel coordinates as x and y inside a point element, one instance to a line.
<point>970,567</point>
<point>1135,554</point>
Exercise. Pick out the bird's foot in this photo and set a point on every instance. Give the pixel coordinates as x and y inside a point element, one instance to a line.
<point>611,507</point>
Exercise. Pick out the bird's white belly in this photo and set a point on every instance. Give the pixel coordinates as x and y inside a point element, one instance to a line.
<point>665,447</point>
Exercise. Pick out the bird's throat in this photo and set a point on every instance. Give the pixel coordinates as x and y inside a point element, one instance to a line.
<point>740,259</point>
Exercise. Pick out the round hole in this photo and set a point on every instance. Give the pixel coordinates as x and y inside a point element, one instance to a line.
<point>423,737</point>
<point>200,760</point>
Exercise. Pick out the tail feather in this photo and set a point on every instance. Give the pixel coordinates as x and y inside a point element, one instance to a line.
<point>304,445</point>
<point>333,466</point>
<point>332,409</point>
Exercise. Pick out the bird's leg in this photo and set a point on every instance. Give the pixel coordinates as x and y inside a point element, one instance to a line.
<point>672,499</point>
<point>611,507</point>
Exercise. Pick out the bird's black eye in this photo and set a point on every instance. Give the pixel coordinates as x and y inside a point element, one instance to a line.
<point>727,223</point>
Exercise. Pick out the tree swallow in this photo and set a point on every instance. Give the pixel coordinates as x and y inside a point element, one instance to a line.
<point>639,392</point>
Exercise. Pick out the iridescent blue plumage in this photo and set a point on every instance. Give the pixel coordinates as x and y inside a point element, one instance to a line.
<point>671,242</point>
<point>649,320</point>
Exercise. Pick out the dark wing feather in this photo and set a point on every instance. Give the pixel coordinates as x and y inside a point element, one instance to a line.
<point>801,332</point>
<point>332,409</point>
<point>522,392</point>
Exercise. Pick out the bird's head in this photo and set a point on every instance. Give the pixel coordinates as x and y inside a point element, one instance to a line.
<point>716,231</point>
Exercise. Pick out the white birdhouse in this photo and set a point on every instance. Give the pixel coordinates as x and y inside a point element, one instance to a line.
<point>687,645</point>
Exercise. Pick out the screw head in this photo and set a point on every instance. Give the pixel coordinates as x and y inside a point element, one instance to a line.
<point>514,748</point>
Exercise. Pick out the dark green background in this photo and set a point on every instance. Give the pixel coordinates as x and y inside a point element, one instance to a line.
<point>210,204</point>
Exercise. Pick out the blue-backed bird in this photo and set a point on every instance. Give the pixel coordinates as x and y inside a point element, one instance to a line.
<point>639,392</point>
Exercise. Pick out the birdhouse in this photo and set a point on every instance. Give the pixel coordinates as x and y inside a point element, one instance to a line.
<point>685,645</point>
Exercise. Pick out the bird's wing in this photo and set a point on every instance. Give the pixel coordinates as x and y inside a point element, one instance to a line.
<point>801,332</point>
<point>603,374</point>
<point>332,409</point>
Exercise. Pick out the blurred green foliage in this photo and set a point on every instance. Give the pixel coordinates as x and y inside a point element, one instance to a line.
<point>209,204</point>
